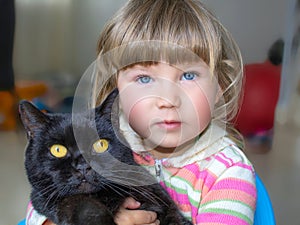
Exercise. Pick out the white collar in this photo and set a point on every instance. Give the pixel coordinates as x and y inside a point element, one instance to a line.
<point>211,141</point>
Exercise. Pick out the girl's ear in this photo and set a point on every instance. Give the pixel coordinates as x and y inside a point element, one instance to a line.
<point>32,118</point>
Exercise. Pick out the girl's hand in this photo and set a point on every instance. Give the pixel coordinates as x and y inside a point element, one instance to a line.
<point>128,216</point>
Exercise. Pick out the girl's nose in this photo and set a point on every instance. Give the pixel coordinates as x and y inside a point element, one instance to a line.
<point>166,103</point>
<point>168,96</point>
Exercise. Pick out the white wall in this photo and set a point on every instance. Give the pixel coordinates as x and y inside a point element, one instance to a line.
<point>89,18</point>
<point>255,24</point>
<point>58,36</point>
<point>42,34</point>
<point>61,35</point>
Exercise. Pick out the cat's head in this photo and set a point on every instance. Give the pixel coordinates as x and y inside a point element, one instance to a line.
<point>62,148</point>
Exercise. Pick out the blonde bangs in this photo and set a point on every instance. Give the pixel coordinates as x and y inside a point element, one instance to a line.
<point>169,21</point>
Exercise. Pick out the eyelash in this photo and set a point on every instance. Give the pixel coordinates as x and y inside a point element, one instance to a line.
<point>195,75</point>
<point>140,77</point>
<point>149,79</point>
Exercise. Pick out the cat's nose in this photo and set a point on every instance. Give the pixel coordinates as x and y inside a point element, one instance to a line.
<point>83,168</point>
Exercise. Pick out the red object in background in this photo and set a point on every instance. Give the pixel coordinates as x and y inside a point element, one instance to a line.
<point>261,92</point>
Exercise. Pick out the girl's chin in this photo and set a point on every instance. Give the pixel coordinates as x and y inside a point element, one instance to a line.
<point>170,148</point>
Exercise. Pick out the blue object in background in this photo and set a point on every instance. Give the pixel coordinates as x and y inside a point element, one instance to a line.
<point>23,222</point>
<point>264,214</point>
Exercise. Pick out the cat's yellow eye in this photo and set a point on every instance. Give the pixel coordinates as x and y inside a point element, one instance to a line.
<point>59,151</point>
<point>101,145</point>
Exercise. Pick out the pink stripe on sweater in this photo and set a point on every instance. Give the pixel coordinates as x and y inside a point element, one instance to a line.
<point>228,162</point>
<point>226,158</point>
<point>30,210</point>
<point>235,184</point>
<point>182,199</point>
<point>200,180</point>
<point>215,218</point>
<point>245,166</point>
<point>223,161</point>
<point>232,195</point>
<point>200,174</point>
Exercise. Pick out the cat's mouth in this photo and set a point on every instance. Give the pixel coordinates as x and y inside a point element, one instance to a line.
<point>86,187</point>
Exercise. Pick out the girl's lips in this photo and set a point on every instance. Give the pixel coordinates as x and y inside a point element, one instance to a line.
<point>169,125</point>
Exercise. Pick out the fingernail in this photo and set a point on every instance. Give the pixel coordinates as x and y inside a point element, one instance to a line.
<point>138,203</point>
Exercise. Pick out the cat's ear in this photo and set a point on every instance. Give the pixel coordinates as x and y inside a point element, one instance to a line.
<point>31,117</point>
<point>110,104</point>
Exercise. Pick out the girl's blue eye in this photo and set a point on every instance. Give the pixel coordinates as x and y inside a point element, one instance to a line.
<point>189,76</point>
<point>144,79</point>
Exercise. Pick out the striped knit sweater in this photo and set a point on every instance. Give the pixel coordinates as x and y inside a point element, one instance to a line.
<point>221,192</point>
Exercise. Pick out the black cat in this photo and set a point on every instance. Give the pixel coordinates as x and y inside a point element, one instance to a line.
<point>82,177</point>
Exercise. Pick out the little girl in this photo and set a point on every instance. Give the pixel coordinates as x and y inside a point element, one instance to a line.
<point>179,76</point>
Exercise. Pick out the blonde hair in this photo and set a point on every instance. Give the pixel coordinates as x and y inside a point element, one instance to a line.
<point>189,24</point>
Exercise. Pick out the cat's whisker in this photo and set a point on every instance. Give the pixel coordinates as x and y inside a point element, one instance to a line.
<point>144,191</point>
<point>63,190</point>
<point>141,190</point>
<point>151,196</point>
<point>135,175</point>
<point>51,190</point>
<point>50,199</point>
<point>57,193</point>
<point>132,171</point>
<point>39,183</point>
<point>46,188</point>
<point>115,188</point>
<point>131,181</point>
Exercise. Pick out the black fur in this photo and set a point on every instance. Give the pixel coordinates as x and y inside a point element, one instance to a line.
<point>68,190</point>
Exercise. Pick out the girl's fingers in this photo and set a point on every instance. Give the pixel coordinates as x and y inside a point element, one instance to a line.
<point>136,217</point>
<point>131,203</point>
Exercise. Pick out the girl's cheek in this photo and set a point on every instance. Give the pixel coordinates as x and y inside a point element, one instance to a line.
<point>139,122</point>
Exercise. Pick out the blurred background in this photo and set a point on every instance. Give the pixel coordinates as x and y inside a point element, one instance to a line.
<point>54,42</point>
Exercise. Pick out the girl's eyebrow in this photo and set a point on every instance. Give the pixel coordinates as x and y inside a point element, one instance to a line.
<point>132,71</point>
<point>137,67</point>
